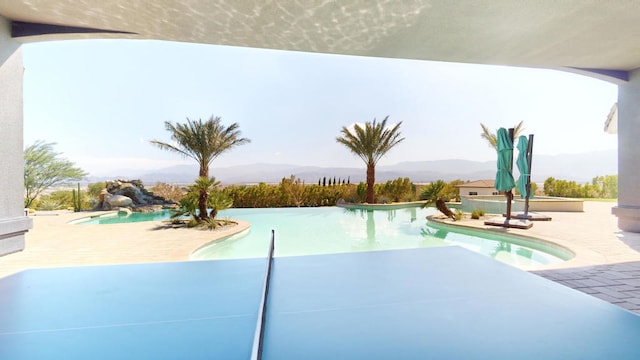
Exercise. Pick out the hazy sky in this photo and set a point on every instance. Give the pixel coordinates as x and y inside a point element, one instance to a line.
<point>102,101</point>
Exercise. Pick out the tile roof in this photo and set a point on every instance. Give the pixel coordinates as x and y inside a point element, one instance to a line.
<point>478,184</point>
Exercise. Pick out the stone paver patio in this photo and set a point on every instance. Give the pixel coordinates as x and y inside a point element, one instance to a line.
<point>616,283</point>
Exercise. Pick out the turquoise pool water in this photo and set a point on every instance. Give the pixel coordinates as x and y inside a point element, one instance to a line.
<point>307,231</point>
<point>114,218</point>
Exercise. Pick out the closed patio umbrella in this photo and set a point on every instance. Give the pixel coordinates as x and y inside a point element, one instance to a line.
<point>523,166</point>
<point>504,177</point>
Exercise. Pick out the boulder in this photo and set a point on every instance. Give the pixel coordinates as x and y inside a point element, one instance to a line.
<point>124,212</point>
<point>130,194</point>
<point>118,200</point>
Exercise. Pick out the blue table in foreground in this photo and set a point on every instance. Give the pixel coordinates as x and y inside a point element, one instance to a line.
<point>187,310</point>
<point>439,303</point>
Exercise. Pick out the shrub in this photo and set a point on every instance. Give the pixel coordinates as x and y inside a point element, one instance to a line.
<point>361,192</point>
<point>458,215</point>
<point>383,199</point>
<point>48,203</point>
<point>94,189</point>
<point>61,200</point>
<point>400,189</point>
<point>168,191</point>
<point>603,186</point>
<point>290,192</point>
<point>477,213</point>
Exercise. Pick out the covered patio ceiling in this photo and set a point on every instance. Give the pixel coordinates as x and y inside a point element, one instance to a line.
<point>601,35</point>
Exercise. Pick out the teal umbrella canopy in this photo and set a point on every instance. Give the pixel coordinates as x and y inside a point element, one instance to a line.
<point>504,177</point>
<point>523,166</point>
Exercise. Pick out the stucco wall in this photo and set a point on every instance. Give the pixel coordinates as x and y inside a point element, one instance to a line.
<point>490,204</point>
<point>628,209</point>
<point>13,223</point>
<point>465,191</point>
<point>498,204</point>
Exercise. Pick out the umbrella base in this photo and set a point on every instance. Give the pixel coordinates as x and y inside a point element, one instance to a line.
<point>511,223</point>
<point>530,216</point>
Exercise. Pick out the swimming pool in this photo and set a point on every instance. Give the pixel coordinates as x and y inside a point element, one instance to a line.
<point>326,230</point>
<point>116,218</point>
<point>307,231</point>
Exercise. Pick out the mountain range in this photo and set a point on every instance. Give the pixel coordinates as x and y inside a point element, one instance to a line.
<point>577,167</point>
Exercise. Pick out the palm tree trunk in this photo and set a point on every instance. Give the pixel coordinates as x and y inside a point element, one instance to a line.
<point>202,204</point>
<point>371,179</point>
<point>204,170</point>
<point>203,199</point>
<point>442,206</point>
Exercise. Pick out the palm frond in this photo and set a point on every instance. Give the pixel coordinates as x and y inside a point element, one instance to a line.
<point>372,141</point>
<point>491,138</point>
<point>518,129</point>
<point>201,140</point>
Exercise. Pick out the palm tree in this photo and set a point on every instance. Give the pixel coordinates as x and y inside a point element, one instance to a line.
<point>492,138</point>
<point>202,141</point>
<point>439,192</point>
<point>370,143</point>
<point>216,201</point>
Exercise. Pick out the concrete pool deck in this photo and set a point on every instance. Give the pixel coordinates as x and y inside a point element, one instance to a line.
<point>54,243</point>
<point>607,263</point>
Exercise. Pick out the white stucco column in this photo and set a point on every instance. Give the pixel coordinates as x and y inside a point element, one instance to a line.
<point>13,223</point>
<point>628,209</point>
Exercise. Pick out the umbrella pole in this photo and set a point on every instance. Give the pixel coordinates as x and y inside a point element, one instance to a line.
<point>529,160</point>
<point>509,195</point>
<point>510,192</point>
